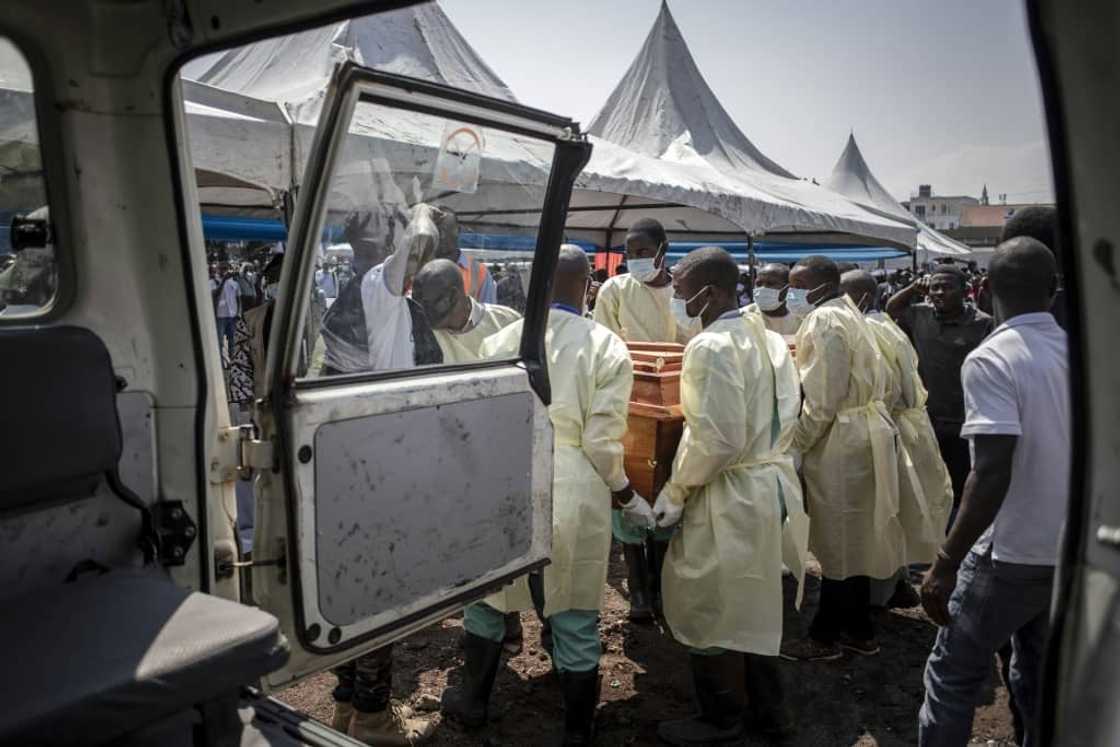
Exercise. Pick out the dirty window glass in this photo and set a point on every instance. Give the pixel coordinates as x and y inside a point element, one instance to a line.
<point>28,271</point>
<point>416,205</point>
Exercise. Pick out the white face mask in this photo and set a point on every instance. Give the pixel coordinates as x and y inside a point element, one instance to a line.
<point>679,307</point>
<point>797,300</point>
<point>645,269</point>
<point>768,299</point>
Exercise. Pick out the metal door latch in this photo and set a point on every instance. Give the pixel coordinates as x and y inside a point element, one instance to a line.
<point>225,566</point>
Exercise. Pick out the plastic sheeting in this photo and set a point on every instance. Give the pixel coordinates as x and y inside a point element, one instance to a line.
<point>852,177</point>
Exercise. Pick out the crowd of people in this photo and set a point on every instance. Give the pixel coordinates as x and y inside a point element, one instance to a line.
<point>880,423</point>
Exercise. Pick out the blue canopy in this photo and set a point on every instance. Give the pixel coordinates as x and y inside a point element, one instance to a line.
<point>223,228</point>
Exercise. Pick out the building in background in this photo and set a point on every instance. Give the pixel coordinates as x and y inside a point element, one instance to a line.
<point>942,212</point>
<point>981,225</point>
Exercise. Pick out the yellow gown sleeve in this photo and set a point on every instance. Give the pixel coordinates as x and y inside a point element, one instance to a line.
<point>714,403</point>
<point>606,308</point>
<point>822,361</point>
<point>606,415</point>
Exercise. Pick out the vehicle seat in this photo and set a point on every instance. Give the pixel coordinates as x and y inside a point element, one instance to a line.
<point>110,651</point>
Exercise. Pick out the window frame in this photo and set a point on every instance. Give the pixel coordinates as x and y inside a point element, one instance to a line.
<point>53,161</point>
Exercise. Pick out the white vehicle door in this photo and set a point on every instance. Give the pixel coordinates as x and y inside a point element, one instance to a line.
<point>403,488</point>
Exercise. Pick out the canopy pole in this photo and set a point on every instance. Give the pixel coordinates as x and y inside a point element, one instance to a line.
<point>752,263</point>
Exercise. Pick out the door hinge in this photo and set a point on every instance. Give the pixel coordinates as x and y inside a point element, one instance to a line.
<point>176,530</point>
<point>238,453</point>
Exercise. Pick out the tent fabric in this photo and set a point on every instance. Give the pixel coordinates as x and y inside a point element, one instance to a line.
<point>664,108</point>
<point>692,195</point>
<point>852,177</point>
<point>663,134</point>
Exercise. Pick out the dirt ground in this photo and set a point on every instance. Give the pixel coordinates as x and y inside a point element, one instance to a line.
<point>855,700</point>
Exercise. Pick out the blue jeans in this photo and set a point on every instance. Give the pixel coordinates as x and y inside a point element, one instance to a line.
<point>993,602</point>
<point>226,327</point>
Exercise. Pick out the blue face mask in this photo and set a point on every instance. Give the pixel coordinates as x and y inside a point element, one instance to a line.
<point>797,300</point>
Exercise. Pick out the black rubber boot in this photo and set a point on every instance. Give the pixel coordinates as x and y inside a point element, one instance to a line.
<point>767,711</point>
<point>656,550</point>
<point>581,696</point>
<point>638,579</point>
<point>718,682</point>
<point>467,703</point>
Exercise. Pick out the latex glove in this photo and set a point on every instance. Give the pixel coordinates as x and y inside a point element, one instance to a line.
<point>666,511</point>
<point>638,513</point>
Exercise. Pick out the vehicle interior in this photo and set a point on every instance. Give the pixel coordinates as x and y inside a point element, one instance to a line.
<point>122,572</point>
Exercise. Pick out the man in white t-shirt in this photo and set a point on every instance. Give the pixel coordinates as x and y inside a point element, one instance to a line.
<point>993,576</point>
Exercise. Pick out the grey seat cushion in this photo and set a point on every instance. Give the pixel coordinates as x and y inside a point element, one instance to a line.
<point>88,661</point>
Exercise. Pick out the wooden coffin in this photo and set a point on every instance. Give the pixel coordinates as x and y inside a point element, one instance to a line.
<point>655,422</point>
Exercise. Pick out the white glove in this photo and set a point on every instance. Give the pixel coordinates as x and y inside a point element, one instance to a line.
<point>638,513</point>
<point>666,511</point>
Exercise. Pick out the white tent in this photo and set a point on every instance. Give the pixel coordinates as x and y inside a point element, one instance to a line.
<point>748,193</point>
<point>663,135</point>
<point>852,177</point>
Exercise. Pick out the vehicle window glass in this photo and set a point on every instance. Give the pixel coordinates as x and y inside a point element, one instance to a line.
<point>28,269</point>
<point>415,204</point>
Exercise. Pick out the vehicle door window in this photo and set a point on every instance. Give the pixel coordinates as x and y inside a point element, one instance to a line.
<point>404,216</point>
<point>28,267</point>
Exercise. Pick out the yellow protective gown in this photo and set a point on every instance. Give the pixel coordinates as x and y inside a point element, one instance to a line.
<point>464,347</point>
<point>591,376</point>
<point>637,312</point>
<point>848,446</point>
<point>925,512</point>
<point>722,580</point>
<point>786,326</point>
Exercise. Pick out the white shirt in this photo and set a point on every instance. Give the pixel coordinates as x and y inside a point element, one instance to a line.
<point>228,298</point>
<point>388,321</point>
<point>1016,383</point>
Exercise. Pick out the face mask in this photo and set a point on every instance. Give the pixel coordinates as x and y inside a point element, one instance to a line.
<point>797,300</point>
<point>679,307</point>
<point>768,299</point>
<point>644,269</point>
<point>271,291</point>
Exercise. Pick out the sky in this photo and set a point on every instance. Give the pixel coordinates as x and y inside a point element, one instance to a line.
<point>941,93</point>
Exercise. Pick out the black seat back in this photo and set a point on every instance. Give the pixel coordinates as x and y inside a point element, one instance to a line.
<point>61,433</point>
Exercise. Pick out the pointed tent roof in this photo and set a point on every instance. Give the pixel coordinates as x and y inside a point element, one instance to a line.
<point>663,124</point>
<point>418,41</point>
<point>852,177</point>
<point>664,108</point>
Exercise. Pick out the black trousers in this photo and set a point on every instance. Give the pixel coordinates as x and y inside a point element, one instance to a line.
<point>366,682</point>
<point>954,452</point>
<point>845,608</point>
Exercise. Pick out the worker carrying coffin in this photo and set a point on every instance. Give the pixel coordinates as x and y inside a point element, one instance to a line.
<point>637,307</point>
<point>591,377</point>
<point>736,495</point>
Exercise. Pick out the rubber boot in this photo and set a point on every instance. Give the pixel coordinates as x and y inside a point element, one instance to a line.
<point>767,711</point>
<point>467,703</point>
<point>581,696</point>
<point>656,550</point>
<point>343,712</point>
<point>718,682</point>
<point>391,727</point>
<point>513,640</point>
<point>638,580</point>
